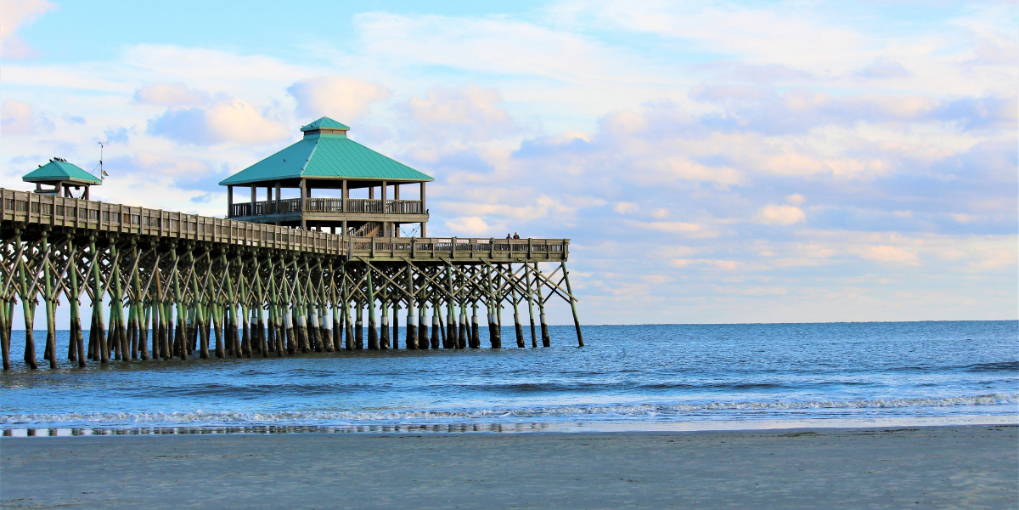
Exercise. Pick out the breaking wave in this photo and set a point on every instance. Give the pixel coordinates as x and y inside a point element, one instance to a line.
<point>658,411</point>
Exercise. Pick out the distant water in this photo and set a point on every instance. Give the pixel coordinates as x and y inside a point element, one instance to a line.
<point>634,375</point>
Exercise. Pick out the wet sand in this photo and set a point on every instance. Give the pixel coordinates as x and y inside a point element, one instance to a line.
<point>926,467</point>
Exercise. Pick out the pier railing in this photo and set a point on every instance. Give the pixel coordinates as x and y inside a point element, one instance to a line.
<point>327,205</point>
<point>54,211</point>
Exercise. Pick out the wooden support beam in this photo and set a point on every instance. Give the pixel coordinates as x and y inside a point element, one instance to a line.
<point>573,305</point>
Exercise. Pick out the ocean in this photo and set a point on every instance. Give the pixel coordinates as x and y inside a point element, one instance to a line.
<point>645,377</point>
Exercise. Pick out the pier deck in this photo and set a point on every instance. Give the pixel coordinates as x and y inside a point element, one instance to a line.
<point>34,211</point>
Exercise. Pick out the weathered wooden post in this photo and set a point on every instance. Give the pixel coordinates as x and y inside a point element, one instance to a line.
<point>396,322</point>
<point>5,337</point>
<point>475,327</point>
<point>422,327</point>
<point>494,335</point>
<point>146,319</point>
<point>443,332</point>
<point>573,305</point>
<point>337,317</point>
<point>28,309</point>
<point>464,330</point>
<point>345,292</point>
<point>117,319</point>
<point>98,329</point>
<point>138,308</point>
<point>384,316</point>
<point>518,329</point>
<point>50,299</point>
<point>216,317</point>
<point>546,341</point>
<point>451,326</point>
<point>358,325</point>
<point>412,333</point>
<point>530,303</point>
<point>435,324</point>
<point>373,330</point>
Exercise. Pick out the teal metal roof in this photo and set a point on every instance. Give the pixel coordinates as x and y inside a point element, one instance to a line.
<point>326,155</point>
<point>59,169</point>
<point>324,123</point>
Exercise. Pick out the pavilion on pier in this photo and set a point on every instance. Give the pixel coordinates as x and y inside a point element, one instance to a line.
<point>59,178</point>
<point>340,185</point>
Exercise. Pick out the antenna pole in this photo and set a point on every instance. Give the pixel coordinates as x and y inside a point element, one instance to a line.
<point>100,161</point>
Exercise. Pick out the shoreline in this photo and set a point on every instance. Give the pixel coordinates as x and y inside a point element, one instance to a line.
<point>973,466</point>
<point>563,427</point>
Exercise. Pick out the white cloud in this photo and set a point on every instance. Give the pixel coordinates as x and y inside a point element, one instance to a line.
<point>170,94</point>
<point>496,44</point>
<point>625,207</point>
<point>342,98</point>
<point>725,265</point>
<point>889,254</point>
<point>15,14</point>
<point>781,215</point>
<point>472,113</point>
<point>470,225</point>
<point>674,227</point>
<point>759,35</point>
<point>20,118</point>
<point>677,167</point>
<point>225,121</point>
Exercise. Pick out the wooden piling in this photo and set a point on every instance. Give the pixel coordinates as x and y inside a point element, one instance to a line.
<point>518,329</point>
<point>28,309</point>
<point>494,335</point>
<point>412,334</point>
<point>358,326</point>
<point>384,317</point>
<point>475,327</point>
<point>422,327</point>
<point>373,330</point>
<point>435,325</point>
<point>451,332</point>
<point>463,329</point>
<point>396,324</point>
<point>5,336</point>
<point>530,303</point>
<point>49,298</point>
<point>546,341</point>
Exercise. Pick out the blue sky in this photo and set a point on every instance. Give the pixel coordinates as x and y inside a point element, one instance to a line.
<point>712,161</point>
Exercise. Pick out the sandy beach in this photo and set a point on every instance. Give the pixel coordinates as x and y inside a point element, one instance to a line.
<point>925,467</point>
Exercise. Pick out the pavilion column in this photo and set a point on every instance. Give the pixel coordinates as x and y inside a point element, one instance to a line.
<point>304,195</point>
<point>229,200</point>
<point>396,197</point>
<point>386,226</point>
<point>424,209</point>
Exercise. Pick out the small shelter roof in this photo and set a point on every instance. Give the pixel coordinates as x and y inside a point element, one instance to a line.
<point>325,152</point>
<point>59,170</point>
<point>325,123</point>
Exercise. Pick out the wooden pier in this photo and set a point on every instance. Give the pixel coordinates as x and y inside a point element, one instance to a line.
<point>173,285</point>
<point>278,277</point>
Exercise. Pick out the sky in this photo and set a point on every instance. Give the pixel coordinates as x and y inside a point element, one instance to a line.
<point>711,162</point>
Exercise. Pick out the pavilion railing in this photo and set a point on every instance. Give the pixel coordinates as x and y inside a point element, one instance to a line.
<point>327,205</point>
